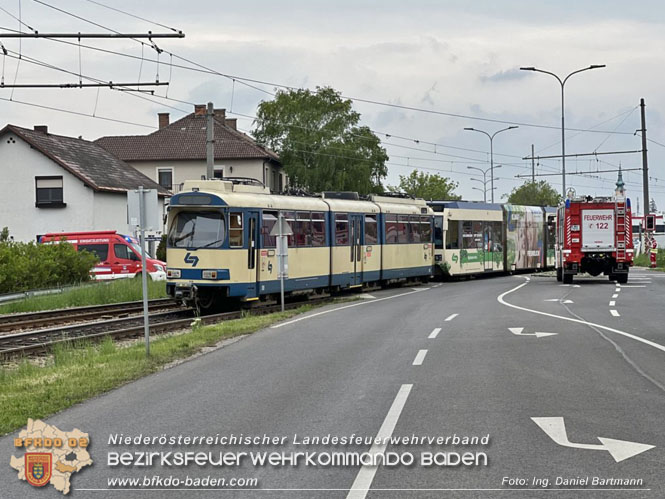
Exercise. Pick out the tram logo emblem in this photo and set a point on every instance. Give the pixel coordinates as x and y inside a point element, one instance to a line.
<point>38,468</point>
<point>192,259</point>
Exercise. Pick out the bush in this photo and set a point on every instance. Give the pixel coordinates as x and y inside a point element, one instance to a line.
<point>26,266</point>
<point>160,254</point>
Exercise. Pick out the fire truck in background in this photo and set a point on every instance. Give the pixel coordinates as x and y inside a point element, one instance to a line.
<point>594,235</point>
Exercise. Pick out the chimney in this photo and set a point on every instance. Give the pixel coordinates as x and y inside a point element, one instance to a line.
<point>220,115</point>
<point>232,123</point>
<point>41,128</point>
<point>199,109</point>
<point>163,119</point>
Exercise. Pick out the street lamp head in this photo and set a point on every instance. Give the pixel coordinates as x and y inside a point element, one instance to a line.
<point>528,68</point>
<point>497,166</point>
<point>596,66</point>
<point>511,127</point>
<point>469,128</point>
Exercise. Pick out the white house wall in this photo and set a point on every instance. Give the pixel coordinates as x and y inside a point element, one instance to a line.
<point>85,210</point>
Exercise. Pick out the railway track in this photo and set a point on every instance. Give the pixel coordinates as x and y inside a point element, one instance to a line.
<point>32,320</point>
<point>37,341</point>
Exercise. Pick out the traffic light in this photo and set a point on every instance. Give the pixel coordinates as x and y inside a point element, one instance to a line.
<point>650,225</point>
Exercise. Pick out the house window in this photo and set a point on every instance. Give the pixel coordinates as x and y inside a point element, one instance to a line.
<point>48,192</point>
<point>165,178</point>
<point>218,172</point>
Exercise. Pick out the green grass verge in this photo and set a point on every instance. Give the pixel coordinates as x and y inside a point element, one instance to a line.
<point>88,294</point>
<point>78,372</point>
<point>643,260</point>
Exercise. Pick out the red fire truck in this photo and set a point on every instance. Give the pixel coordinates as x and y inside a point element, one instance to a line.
<point>594,235</point>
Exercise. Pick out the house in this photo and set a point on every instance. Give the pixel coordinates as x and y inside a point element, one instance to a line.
<point>177,152</point>
<point>53,183</point>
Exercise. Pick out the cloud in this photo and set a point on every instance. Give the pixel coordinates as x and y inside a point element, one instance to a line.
<point>501,76</point>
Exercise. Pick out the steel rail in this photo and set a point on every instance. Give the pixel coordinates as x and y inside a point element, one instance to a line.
<point>13,322</point>
<point>31,342</point>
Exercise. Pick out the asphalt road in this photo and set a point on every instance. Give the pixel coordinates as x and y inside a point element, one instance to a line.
<point>455,359</point>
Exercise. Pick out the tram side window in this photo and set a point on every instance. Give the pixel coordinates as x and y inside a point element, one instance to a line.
<point>101,251</point>
<point>438,232</point>
<point>391,229</point>
<point>341,229</point>
<point>452,235</point>
<point>403,230</point>
<point>414,226</point>
<point>472,235</point>
<point>318,229</point>
<point>235,230</point>
<point>496,244</point>
<point>290,218</point>
<point>303,229</point>
<point>371,230</point>
<point>269,221</point>
<point>425,230</point>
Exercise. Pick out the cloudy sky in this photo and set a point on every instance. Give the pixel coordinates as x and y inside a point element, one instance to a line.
<point>440,65</point>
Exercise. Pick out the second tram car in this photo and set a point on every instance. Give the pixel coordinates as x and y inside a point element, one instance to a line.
<point>477,238</point>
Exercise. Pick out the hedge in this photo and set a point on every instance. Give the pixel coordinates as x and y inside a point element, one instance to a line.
<point>26,266</point>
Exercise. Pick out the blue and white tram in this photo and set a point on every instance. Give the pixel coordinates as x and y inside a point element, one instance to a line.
<point>221,244</point>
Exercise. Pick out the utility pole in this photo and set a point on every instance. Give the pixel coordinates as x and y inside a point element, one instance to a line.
<point>645,166</point>
<point>533,166</point>
<point>210,141</point>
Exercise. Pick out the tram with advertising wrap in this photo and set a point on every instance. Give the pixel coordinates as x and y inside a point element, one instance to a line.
<point>478,238</point>
<point>221,243</point>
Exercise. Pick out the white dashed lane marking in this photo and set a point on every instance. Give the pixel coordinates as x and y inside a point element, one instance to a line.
<point>420,358</point>
<point>614,313</point>
<point>615,295</point>
<point>434,333</point>
<point>365,476</point>
<point>451,317</point>
<point>613,303</point>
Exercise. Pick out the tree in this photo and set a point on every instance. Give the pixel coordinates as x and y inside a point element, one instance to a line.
<point>535,193</point>
<point>320,144</point>
<point>427,186</point>
<point>652,206</point>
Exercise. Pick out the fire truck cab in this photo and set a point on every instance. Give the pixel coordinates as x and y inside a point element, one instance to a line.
<point>594,236</point>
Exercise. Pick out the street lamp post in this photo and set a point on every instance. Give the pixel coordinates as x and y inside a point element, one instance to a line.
<point>563,136</point>
<point>491,137</point>
<point>483,181</point>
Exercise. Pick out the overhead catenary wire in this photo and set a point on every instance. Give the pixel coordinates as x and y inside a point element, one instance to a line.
<point>360,100</point>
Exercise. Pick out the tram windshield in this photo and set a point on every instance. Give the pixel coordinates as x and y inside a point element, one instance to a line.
<point>197,229</point>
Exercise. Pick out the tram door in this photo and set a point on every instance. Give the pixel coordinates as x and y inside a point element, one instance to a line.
<point>253,252</point>
<point>488,261</point>
<point>356,247</point>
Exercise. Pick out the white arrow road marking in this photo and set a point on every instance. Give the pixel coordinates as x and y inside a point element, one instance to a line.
<point>518,331</point>
<point>620,450</point>
<point>501,300</point>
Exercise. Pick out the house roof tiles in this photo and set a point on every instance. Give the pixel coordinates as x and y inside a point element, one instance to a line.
<point>185,139</point>
<point>94,165</point>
